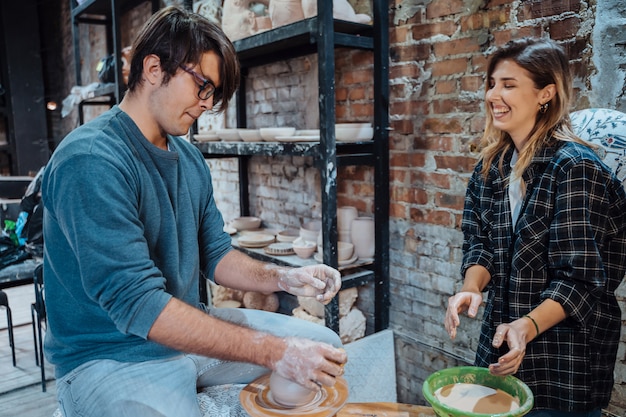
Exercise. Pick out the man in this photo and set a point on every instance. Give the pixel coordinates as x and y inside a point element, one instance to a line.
<point>130,224</point>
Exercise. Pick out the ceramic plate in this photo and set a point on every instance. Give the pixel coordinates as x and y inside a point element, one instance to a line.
<point>205,137</point>
<point>255,240</point>
<point>302,138</point>
<point>257,400</point>
<point>319,258</point>
<point>280,248</point>
<point>230,230</point>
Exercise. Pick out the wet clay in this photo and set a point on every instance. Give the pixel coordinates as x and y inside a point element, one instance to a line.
<point>476,398</point>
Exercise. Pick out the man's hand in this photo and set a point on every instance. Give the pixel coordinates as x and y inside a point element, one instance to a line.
<point>310,363</point>
<point>319,281</point>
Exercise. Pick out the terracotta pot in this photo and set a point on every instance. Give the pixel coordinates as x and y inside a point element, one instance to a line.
<point>362,234</point>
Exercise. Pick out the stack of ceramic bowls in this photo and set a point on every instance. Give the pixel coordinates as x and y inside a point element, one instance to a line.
<point>345,215</point>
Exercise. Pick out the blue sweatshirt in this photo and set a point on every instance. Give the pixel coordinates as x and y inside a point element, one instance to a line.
<point>127,226</point>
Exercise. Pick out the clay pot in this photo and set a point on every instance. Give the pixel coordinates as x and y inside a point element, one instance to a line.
<point>288,393</point>
<point>283,12</point>
<point>362,234</point>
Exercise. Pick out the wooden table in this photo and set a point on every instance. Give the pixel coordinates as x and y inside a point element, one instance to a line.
<point>384,409</point>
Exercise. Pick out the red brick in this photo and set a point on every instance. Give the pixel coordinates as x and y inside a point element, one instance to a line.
<point>362,110</point>
<point>503,36</point>
<point>443,125</point>
<point>405,69</point>
<point>438,217</point>
<point>460,164</point>
<point>445,86</point>
<point>397,211</point>
<point>402,126</point>
<point>418,160</point>
<point>456,47</point>
<point>430,179</point>
<point>428,30</point>
<point>449,67</point>
<point>398,176</point>
<point>437,143</point>
<point>564,29</point>
<point>358,76</point>
<point>341,94</point>
<point>362,59</point>
<point>534,9</point>
<point>472,83</point>
<point>418,196</point>
<point>403,53</point>
<point>488,19</point>
<point>449,201</point>
<point>398,34</point>
<point>444,8</point>
<point>397,159</point>
<point>357,93</point>
<point>447,106</point>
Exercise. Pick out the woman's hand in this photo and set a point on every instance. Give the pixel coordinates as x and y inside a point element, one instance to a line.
<point>462,301</point>
<point>516,335</point>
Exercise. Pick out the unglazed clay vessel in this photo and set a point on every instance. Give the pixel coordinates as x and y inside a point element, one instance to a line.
<point>287,393</point>
<point>362,234</point>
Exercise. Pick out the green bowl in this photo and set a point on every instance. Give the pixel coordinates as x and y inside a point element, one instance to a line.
<point>480,376</point>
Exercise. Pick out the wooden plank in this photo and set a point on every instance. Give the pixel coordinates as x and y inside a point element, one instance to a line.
<point>383,409</point>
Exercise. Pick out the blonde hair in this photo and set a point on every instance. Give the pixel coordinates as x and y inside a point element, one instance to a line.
<point>546,63</point>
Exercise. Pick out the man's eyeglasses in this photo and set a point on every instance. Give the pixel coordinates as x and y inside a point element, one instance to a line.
<point>207,89</point>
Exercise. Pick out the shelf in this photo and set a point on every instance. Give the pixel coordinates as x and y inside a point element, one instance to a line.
<point>353,275</point>
<point>102,8</point>
<point>345,150</point>
<point>298,39</point>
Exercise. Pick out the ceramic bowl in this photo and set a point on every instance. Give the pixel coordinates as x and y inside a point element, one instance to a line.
<point>354,133</point>
<point>310,230</point>
<point>270,133</point>
<point>287,235</point>
<point>229,135</point>
<point>303,248</point>
<point>246,223</point>
<point>288,393</point>
<point>250,135</point>
<point>345,250</point>
<point>480,376</point>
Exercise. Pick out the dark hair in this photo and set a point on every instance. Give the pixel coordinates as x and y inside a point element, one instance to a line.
<point>181,37</point>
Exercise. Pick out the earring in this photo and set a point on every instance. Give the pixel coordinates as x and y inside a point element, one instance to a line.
<point>543,108</point>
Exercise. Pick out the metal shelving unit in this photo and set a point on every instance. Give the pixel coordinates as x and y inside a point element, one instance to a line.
<point>106,13</point>
<point>321,35</point>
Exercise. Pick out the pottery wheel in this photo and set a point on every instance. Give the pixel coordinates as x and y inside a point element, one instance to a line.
<point>257,400</point>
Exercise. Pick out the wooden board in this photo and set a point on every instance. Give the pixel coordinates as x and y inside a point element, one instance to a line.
<point>384,409</point>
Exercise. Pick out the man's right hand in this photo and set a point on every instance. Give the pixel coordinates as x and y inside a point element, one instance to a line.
<point>309,363</point>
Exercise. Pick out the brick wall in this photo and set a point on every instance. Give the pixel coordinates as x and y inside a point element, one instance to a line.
<point>437,75</point>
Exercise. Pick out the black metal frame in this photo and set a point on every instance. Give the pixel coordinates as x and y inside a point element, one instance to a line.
<point>321,35</point>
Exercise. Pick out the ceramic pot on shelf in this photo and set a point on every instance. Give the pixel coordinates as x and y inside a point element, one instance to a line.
<point>345,215</point>
<point>283,12</point>
<point>362,232</point>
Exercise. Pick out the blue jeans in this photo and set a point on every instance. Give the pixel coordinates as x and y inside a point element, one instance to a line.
<point>554,413</point>
<point>167,388</point>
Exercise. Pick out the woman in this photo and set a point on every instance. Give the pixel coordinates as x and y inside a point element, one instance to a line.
<point>544,229</point>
